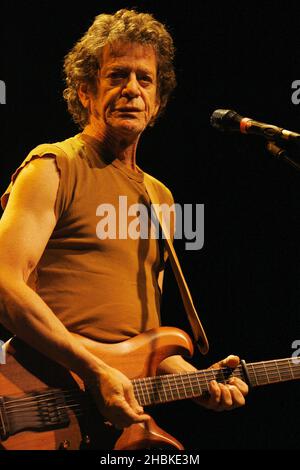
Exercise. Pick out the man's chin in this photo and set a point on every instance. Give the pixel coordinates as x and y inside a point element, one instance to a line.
<point>129,127</point>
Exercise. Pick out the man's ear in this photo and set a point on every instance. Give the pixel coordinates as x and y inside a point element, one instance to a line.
<point>84,95</point>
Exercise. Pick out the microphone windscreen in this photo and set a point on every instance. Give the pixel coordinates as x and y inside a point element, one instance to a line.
<point>225,120</point>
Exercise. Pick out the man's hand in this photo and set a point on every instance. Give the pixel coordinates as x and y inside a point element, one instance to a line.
<point>114,397</point>
<point>221,396</point>
<point>225,396</point>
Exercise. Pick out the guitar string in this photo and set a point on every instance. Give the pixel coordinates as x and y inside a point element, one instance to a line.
<point>168,384</point>
<point>238,371</point>
<point>140,383</point>
<point>178,378</point>
<point>52,392</point>
<point>34,411</point>
<point>34,406</point>
<point>218,372</point>
<point>77,409</point>
<point>163,389</point>
<point>152,395</point>
<point>189,378</point>
<point>37,404</point>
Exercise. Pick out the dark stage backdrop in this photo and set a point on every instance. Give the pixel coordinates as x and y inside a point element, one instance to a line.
<point>246,279</point>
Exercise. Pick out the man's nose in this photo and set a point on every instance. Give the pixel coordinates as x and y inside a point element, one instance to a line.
<point>132,87</point>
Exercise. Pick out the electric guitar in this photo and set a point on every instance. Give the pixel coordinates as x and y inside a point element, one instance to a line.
<point>45,407</point>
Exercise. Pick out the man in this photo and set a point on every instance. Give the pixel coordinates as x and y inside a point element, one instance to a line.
<point>59,274</point>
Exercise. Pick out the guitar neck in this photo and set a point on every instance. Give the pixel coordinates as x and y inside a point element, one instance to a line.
<point>172,387</point>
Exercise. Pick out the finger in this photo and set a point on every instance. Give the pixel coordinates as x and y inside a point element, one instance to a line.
<point>122,415</point>
<point>213,401</point>
<point>132,401</point>
<point>240,384</point>
<point>226,398</point>
<point>215,393</point>
<point>230,361</point>
<point>131,416</point>
<point>236,396</point>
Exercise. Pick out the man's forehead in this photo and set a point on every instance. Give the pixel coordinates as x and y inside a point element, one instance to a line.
<point>121,52</point>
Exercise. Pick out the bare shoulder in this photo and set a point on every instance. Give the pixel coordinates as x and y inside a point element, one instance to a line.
<point>29,217</point>
<point>35,185</point>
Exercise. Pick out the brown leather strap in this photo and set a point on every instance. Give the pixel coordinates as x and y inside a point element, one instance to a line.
<point>197,328</point>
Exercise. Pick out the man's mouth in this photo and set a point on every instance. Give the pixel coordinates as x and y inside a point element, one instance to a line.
<point>128,110</point>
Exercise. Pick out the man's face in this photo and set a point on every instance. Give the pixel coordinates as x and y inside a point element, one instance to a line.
<point>126,97</point>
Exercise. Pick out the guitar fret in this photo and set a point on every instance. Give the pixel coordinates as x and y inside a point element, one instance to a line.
<point>167,388</point>
<point>285,373</point>
<point>197,388</point>
<point>141,388</point>
<point>210,372</point>
<point>137,394</point>
<point>239,373</point>
<point>291,368</point>
<point>192,386</point>
<point>177,389</point>
<point>155,392</point>
<point>254,377</point>
<point>161,399</point>
<point>295,367</point>
<point>148,394</point>
<point>279,376</point>
<point>170,386</point>
<point>183,386</point>
<point>266,373</point>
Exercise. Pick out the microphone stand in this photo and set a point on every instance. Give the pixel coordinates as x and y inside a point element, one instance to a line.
<point>281,154</point>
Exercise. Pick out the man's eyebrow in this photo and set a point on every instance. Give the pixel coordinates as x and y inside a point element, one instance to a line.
<point>123,68</point>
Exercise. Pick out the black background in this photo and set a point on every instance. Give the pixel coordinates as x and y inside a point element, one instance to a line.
<point>246,279</point>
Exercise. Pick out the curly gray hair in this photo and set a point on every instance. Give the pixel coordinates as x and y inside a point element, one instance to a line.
<point>83,61</point>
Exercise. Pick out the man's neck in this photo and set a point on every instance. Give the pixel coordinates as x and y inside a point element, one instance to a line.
<point>120,148</point>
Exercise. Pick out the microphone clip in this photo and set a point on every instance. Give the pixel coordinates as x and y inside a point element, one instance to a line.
<point>281,154</point>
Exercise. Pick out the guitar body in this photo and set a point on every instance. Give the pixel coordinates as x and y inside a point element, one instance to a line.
<point>29,375</point>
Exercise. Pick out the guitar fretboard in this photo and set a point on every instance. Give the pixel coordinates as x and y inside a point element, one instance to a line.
<point>171,387</point>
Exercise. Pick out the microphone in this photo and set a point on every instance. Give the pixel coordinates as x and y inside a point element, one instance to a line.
<point>229,121</point>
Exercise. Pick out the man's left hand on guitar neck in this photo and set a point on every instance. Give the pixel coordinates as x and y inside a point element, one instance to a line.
<point>222,396</point>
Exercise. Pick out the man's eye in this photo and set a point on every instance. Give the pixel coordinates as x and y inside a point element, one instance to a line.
<point>145,78</point>
<point>117,75</point>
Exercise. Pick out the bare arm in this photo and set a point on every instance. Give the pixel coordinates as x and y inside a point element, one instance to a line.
<point>25,228</point>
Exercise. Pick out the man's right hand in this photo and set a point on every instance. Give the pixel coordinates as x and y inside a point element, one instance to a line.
<point>114,397</point>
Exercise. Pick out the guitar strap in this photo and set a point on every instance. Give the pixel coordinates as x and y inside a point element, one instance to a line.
<point>197,328</point>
